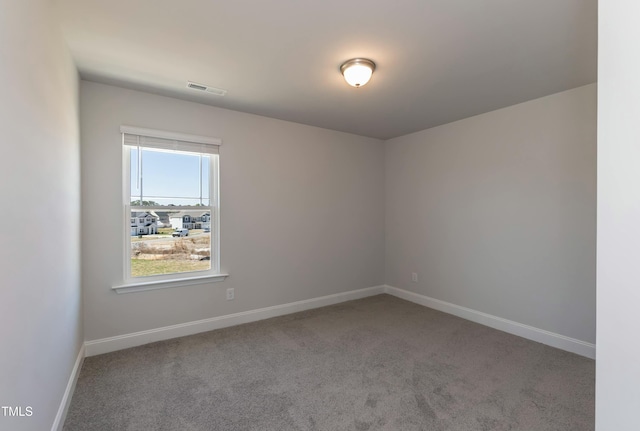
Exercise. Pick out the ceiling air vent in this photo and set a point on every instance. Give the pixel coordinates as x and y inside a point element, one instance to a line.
<point>208,89</point>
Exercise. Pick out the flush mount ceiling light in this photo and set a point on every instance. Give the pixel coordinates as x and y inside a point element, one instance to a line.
<point>357,71</point>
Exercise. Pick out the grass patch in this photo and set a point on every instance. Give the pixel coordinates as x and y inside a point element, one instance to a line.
<point>143,267</point>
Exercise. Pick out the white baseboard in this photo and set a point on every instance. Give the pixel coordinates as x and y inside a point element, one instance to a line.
<point>541,336</point>
<point>111,344</point>
<point>58,422</point>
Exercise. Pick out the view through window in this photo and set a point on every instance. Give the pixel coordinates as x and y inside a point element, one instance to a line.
<point>172,211</point>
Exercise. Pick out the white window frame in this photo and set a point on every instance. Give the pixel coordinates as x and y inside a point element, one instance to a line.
<point>187,143</point>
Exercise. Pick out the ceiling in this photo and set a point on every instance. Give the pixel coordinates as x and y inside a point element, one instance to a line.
<point>438,61</point>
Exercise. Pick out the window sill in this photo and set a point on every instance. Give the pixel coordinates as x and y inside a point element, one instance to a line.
<point>164,284</point>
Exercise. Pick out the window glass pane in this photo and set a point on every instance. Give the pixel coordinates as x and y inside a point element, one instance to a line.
<point>168,242</point>
<point>169,178</point>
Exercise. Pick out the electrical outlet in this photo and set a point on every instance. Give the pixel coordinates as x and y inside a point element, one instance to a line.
<point>230,294</point>
<point>414,277</point>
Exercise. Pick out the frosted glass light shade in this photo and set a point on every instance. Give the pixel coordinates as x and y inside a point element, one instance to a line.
<point>357,72</point>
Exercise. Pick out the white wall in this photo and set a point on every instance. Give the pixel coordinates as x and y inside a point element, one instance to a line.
<point>302,213</point>
<point>40,301</point>
<point>497,213</point>
<point>618,357</point>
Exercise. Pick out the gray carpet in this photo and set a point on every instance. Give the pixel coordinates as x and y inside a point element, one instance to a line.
<point>379,363</point>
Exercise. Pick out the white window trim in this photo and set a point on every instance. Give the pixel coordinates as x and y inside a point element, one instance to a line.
<point>164,284</point>
<point>139,284</point>
<point>163,134</point>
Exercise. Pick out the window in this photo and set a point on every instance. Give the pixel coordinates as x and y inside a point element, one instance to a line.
<point>170,182</point>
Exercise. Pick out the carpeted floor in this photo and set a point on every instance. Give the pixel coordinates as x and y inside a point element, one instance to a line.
<point>379,363</point>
